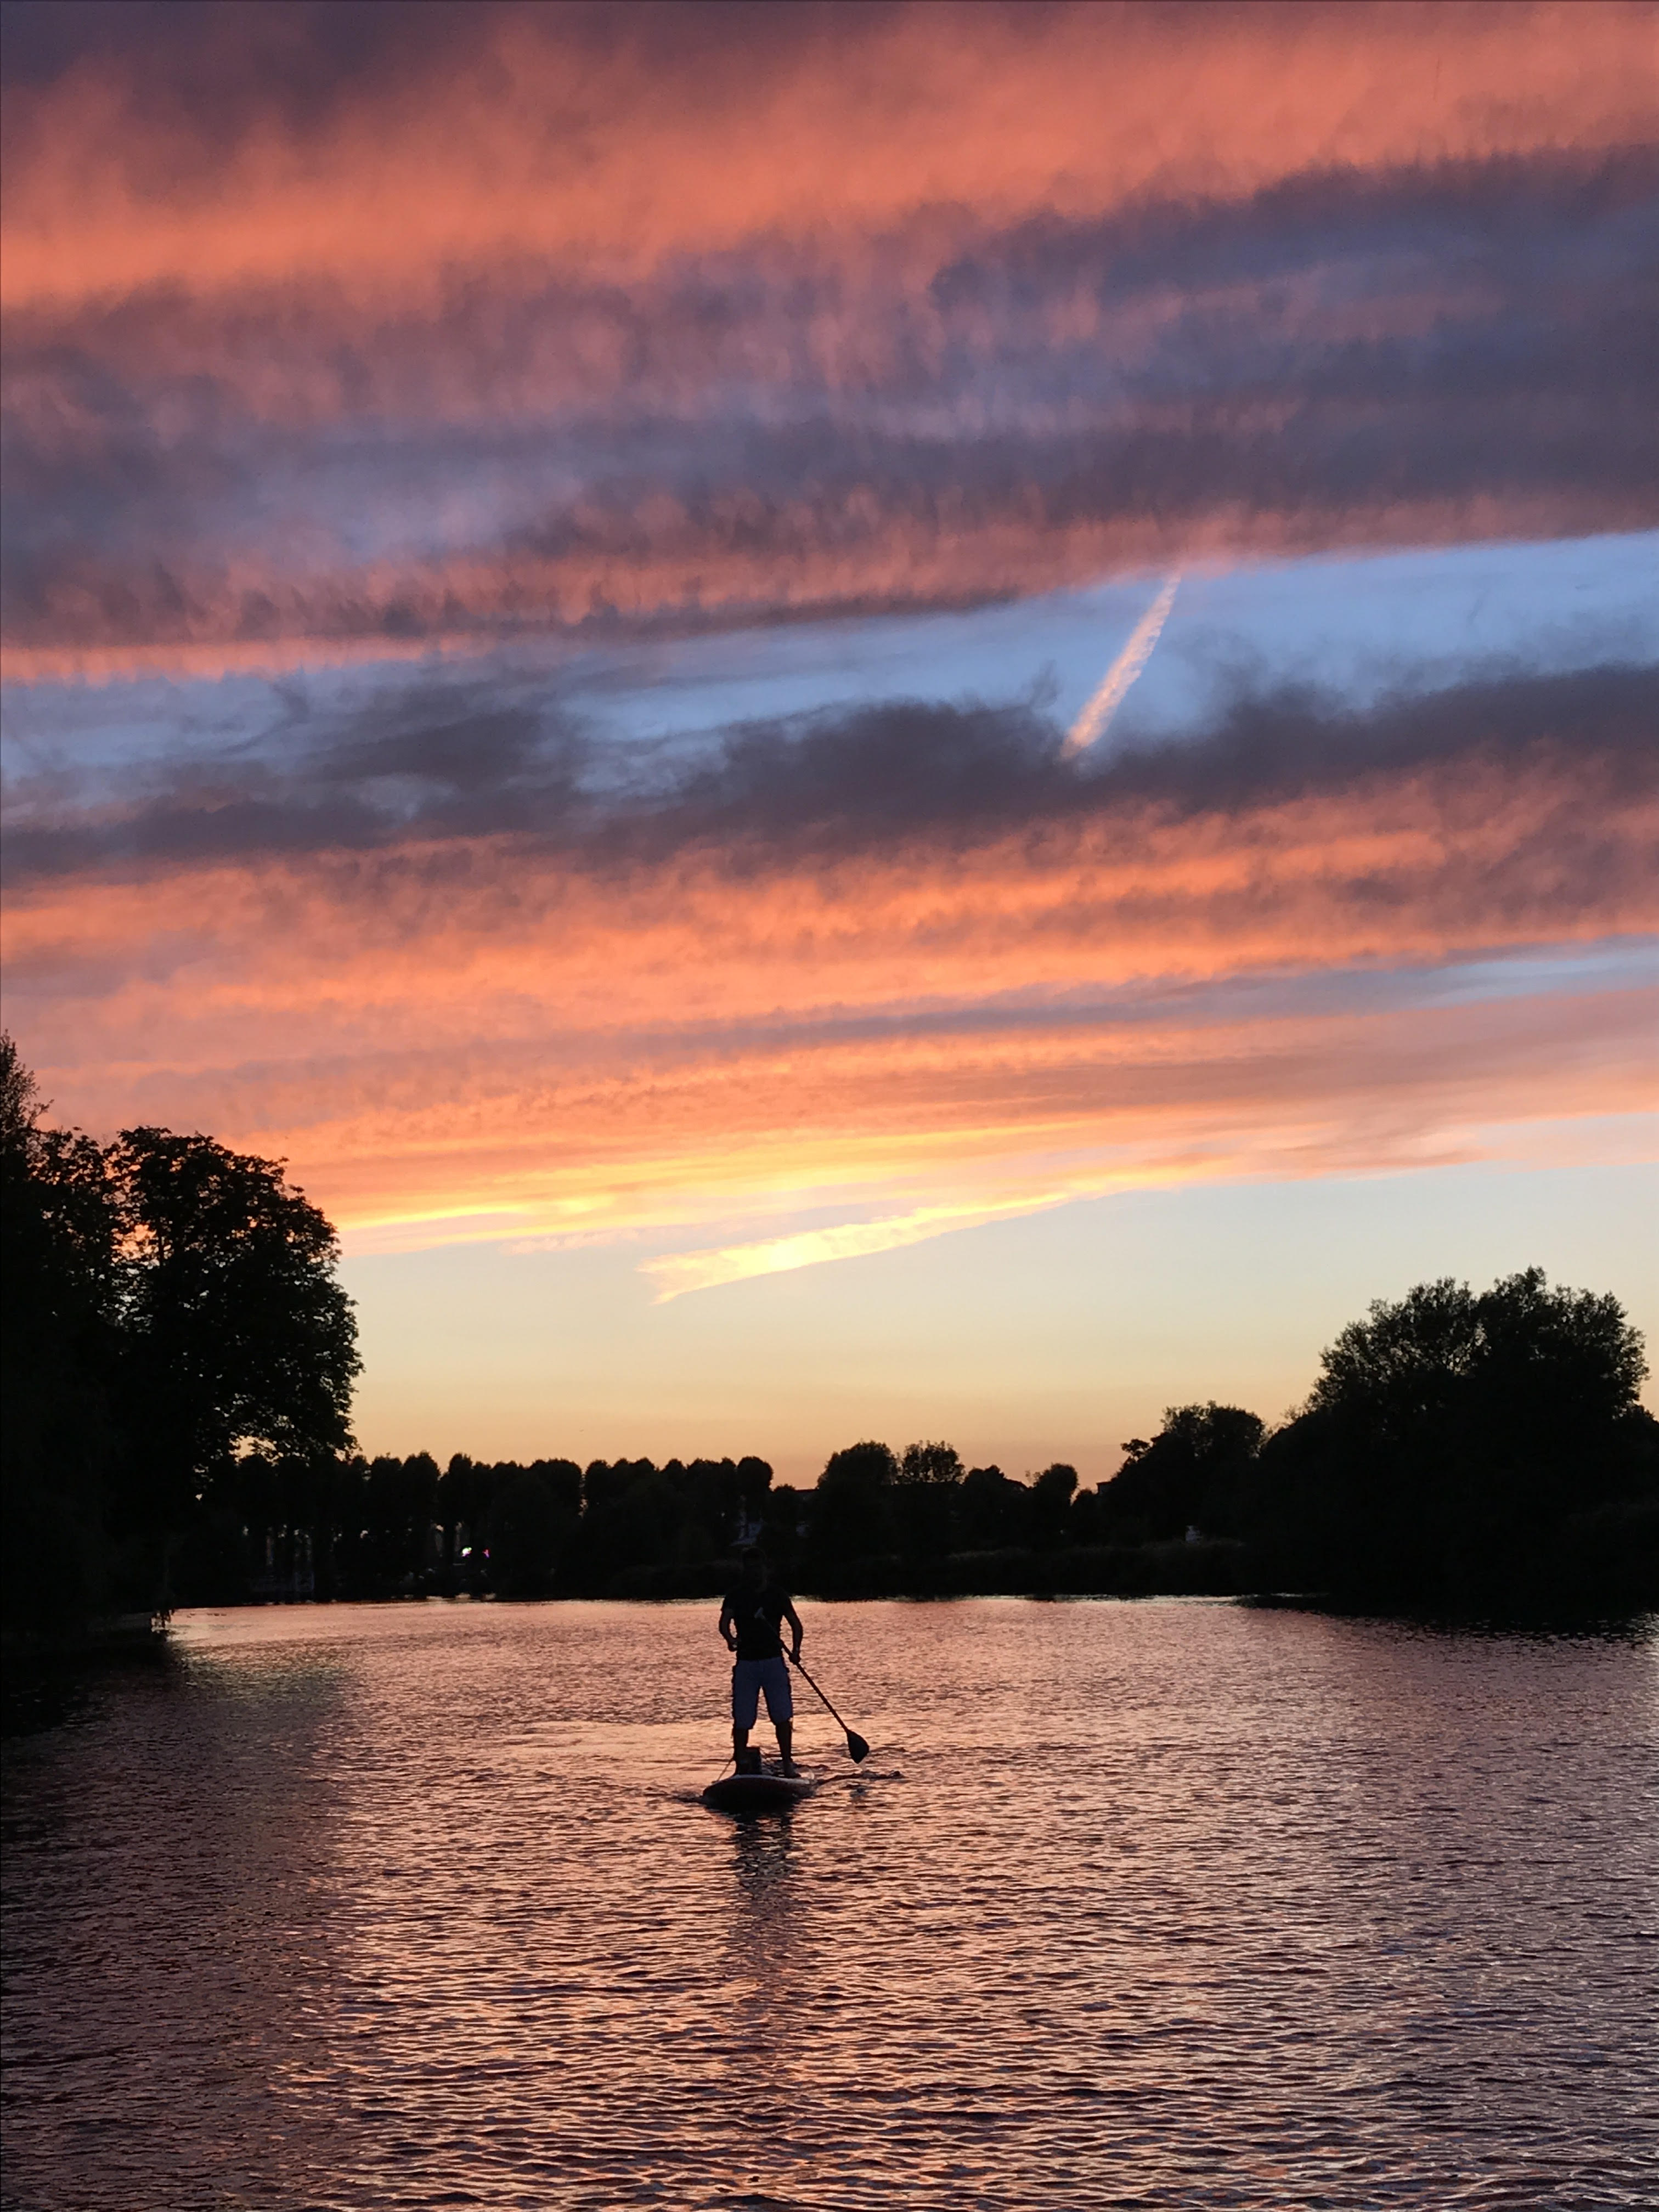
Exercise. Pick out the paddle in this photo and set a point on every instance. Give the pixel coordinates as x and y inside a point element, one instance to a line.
<point>857,1748</point>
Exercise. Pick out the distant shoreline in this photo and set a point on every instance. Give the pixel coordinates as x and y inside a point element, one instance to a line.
<point>1208,1567</point>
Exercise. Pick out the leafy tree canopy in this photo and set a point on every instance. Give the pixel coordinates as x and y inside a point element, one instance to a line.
<point>863,1466</point>
<point>237,1332</point>
<point>1460,1446</point>
<point>927,1463</point>
<point>1570,1350</point>
<point>1189,1473</point>
<point>169,1305</point>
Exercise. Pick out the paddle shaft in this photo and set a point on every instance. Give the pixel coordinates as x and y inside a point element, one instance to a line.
<point>857,1747</point>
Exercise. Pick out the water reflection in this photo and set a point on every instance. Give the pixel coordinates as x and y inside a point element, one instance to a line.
<point>1173,1904</point>
<point>763,1853</point>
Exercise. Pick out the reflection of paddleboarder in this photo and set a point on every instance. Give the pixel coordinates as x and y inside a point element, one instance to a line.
<point>751,1617</point>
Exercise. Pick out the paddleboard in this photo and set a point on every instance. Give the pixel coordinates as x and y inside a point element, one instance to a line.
<point>759,1793</point>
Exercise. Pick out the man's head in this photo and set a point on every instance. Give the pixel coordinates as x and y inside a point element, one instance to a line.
<point>754,1570</point>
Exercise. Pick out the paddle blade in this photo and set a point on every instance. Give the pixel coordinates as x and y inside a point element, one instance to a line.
<point>857,1749</point>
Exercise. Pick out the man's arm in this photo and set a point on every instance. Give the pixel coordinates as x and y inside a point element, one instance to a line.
<point>727,1618</point>
<point>794,1620</point>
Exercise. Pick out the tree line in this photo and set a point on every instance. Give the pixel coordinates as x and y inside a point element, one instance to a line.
<point>277,1526</point>
<point>1460,1450</point>
<point>179,1364</point>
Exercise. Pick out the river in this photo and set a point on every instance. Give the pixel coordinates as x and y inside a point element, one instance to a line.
<point>1177,1903</point>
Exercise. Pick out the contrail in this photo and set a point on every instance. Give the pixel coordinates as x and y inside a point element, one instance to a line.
<point>1108,695</point>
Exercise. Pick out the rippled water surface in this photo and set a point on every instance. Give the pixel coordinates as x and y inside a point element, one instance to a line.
<point>1156,1903</point>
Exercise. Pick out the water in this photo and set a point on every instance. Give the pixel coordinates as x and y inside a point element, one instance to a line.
<point>1141,1905</point>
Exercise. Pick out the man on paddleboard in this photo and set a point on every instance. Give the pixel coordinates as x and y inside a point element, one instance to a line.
<point>751,1618</point>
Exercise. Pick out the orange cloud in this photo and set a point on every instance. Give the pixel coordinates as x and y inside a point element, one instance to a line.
<point>535,318</point>
<point>1416,865</point>
<point>524,139</point>
<point>480,1037</point>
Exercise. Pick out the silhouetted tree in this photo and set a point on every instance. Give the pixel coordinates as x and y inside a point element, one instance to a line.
<point>1188,1475</point>
<point>994,1512</point>
<point>463,1501</point>
<point>1051,1498</point>
<point>533,1519</point>
<point>234,1331</point>
<point>171,1308</point>
<point>924,1465</point>
<point>59,1446</point>
<point>1455,1445</point>
<point>714,1496</point>
<point>399,1505</point>
<point>311,1485</point>
<point>850,1518</point>
<point>784,1526</point>
<point>923,1500</point>
<point>564,1479</point>
<point>754,1486</point>
<point>629,1518</point>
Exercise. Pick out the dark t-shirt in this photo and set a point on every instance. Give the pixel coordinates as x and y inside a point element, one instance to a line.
<point>756,1613</point>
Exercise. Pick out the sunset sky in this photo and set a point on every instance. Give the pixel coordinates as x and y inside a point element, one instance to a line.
<point>850,719</point>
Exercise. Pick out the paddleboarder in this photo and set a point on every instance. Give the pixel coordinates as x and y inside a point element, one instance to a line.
<point>751,1623</point>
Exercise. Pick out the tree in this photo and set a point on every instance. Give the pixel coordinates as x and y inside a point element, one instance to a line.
<point>1401,1366</point>
<point>463,1501</point>
<point>399,1510</point>
<point>1455,1443</point>
<point>994,1512</point>
<point>1051,1498</point>
<point>171,1317</point>
<point>58,1442</point>
<point>236,1333</point>
<point>923,1500</point>
<point>783,1524</point>
<point>850,1519</point>
<point>532,1525</point>
<point>1189,1474</point>
<point>929,1466</point>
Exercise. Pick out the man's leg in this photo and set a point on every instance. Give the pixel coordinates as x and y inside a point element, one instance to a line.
<point>781,1711</point>
<point>746,1705</point>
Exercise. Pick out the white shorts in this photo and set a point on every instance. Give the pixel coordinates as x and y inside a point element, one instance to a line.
<point>752,1677</point>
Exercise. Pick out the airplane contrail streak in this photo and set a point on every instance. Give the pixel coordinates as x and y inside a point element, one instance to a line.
<point>1091,723</point>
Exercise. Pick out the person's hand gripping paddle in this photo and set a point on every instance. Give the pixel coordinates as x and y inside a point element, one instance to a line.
<point>857,1748</point>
